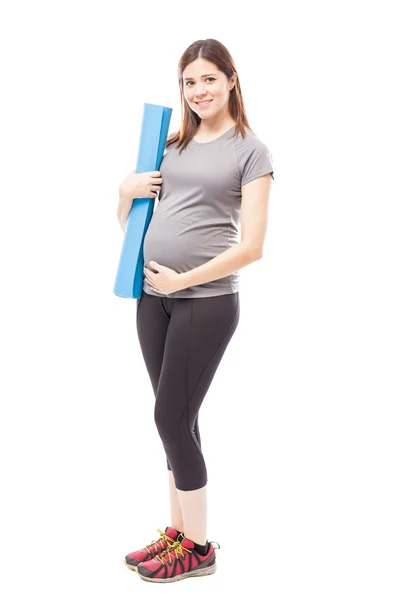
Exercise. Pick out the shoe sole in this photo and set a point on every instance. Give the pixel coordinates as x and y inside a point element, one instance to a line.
<point>199,573</point>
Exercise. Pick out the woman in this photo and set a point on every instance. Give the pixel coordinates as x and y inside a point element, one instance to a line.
<point>214,170</point>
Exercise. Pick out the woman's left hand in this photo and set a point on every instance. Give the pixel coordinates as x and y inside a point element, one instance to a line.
<point>166,281</point>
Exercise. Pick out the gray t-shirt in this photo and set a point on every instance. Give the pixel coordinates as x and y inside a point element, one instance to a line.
<point>197,215</point>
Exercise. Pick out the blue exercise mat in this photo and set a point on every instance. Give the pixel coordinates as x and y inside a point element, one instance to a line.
<point>153,137</point>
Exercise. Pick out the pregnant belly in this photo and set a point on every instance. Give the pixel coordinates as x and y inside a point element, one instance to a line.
<point>182,246</point>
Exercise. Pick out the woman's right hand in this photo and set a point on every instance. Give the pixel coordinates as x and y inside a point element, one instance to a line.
<point>141,185</point>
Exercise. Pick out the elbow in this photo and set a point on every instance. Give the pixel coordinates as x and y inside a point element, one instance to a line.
<point>257,255</point>
<point>121,220</point>
<point>254,253</point>
<point>123,224</point>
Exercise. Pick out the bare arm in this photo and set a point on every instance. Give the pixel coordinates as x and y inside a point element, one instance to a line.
<point>123,209</point>
<point>136,185</point>
<point>253,220</point>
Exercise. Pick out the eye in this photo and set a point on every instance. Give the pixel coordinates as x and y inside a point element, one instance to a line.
<point>212,78</point>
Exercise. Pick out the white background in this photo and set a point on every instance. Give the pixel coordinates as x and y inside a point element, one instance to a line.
<point>300,427</point>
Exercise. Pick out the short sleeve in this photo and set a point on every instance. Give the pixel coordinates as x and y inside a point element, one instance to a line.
<point>257,163</point>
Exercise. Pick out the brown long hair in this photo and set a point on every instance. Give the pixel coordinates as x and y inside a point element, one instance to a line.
<point>215,52</point>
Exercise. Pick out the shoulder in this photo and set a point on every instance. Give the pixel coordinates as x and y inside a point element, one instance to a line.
<point>171,147</point>
<point>170,137</point>
<point>249,143</point>
<point>250,147</point>
<point>253,157</point>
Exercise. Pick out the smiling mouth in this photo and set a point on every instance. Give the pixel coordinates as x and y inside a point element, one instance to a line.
<point>204,102</point>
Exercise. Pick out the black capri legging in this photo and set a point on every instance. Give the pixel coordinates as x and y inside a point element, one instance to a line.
<point>183,341</point>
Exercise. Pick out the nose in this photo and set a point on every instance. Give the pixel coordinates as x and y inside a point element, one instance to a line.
<point>199,92</point>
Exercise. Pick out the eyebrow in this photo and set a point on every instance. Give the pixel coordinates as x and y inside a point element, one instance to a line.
<point>207,75</point>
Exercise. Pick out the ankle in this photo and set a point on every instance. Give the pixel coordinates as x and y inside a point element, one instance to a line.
<point>197,540</point>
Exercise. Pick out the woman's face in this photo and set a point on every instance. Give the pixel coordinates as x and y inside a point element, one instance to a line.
<point>202,81</point>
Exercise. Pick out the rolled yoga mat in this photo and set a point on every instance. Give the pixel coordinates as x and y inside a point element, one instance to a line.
<point>153,137</point>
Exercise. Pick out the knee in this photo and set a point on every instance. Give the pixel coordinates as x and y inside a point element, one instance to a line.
<point>159,418</point>
<point>166,421</point>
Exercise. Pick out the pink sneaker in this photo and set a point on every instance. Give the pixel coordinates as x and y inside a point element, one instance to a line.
<point>178,562</point>
<point>167,539</point>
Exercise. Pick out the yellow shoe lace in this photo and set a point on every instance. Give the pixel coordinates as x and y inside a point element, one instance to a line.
<point>177,548</point>
<point>164,538</point>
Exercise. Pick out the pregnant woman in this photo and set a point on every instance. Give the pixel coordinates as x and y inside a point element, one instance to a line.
<point>215,176</point>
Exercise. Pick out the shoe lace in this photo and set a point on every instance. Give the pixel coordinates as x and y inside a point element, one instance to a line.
<point>163,538</point>
<point>177,548</point>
